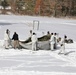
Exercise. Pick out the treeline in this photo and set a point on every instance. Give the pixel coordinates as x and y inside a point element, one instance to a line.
<point>47,7</point>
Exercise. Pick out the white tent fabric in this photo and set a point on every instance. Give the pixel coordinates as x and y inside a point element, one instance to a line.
<point>42,45</point>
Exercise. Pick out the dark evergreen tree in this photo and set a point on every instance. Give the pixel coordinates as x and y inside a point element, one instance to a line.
<point>4,4</point>
<point>19,5</point>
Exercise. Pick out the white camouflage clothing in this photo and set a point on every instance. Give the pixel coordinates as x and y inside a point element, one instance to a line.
<point>62,44</point>
<point>52,42</point>
<point>6,40</point>
<point>34,41</point>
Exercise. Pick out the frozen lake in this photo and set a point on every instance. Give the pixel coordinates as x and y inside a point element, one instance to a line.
<point>41,62</point>
<point>35,62</point>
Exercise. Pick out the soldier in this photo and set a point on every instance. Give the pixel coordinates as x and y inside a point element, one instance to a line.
<point>16,40</point>
<point>52,41</point>
<point>62,45</point>
<point>6,39</point>
<point>56,40</point>
<point>34,41</point>
<point>30,33</point>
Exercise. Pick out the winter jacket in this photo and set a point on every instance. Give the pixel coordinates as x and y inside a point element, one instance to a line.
<point>34,38</point>
<point>6,36</point>
<point>61,42</point>
<point>15,37</point>
<point>52,40</point>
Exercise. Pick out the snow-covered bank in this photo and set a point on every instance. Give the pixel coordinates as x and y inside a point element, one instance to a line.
<point>24,19</point>
<point>32,73</point>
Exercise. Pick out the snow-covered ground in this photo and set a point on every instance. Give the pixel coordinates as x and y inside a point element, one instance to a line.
<point>46,62</point>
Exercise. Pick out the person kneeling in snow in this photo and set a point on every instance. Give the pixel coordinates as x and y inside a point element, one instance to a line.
<point>34,41</point>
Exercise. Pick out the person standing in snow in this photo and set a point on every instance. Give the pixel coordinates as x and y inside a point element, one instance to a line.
<point>6,39</point>
<point>52,41</point>
<point>65,39</point>
<point>9,37</point>
<point>62,45</point>
<point>55,39</point>
<point>30,33</point>
<point>48,34</point>
<point>34,42</point>
<point>16,40</point>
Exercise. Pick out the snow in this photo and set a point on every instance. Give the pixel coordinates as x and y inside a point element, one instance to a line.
<point>41,62</point>
<point>6,7</point>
